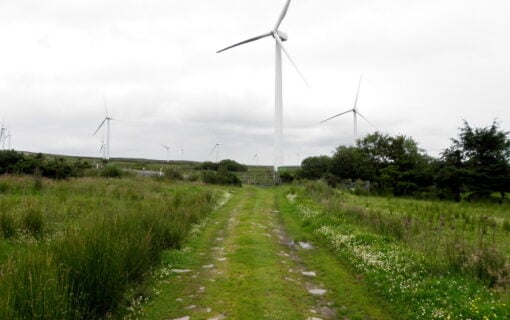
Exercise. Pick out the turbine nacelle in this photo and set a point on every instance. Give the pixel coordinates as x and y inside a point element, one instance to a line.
<point>282,35</point>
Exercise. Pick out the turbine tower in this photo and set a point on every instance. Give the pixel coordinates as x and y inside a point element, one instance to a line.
<point>106,120</point>
<point>354,111</point>
<point>256,158</point>
<point>279,38</point>
<point>102,150</point>
<point>217,148</point>
<point>9,135</point>
<point>167,152</point>
<point>3,135</point>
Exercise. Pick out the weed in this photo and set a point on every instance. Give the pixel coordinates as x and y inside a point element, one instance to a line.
<point>33,222</point>
<point>7,225</point>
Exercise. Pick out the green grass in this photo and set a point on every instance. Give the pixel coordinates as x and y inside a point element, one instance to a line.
<point>376,249</point>
<point>80,246</point>
<point>255,282</point>
<point>353,298</point>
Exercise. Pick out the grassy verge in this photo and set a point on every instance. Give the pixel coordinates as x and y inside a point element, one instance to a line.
<point>400,275</point>
<point>78,247</point>
<point>352,298</point>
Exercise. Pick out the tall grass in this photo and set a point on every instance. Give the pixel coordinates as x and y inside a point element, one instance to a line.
<point>108,236</point>
<point>461,239</point>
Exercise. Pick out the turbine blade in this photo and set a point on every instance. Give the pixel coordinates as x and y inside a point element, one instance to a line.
<point>338,115</point>
<point>215,146</point>
<point>246,41</point>
<point>359,114</point>
<point>357,94</point>
<point>282,15</point>
<point>99,126</point>
<point>280,43</point>
<point>105,107</point>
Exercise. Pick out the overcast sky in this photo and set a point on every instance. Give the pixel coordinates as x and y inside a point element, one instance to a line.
<point>426,66</point>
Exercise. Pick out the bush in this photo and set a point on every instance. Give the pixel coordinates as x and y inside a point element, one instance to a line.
<point>221,178</point>
<point>231,165</point>
<point>110,171</point>
<point>208,165</point>
<point>173,174</point>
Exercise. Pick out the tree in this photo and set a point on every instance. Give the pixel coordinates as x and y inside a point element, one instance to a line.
<point>485,154</point>
<point>315,167</point>
<point>231,165</point>
<point>451,174</point>
<point>352,163</point>
<point>397,163</point>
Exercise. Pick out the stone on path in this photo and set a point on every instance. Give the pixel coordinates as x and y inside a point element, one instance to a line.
<point>180,270</point>
<point>305,245</point>
<point>317,292</point>
<point>309,273</point>
<point>182,318</point>
<point>208,266</point>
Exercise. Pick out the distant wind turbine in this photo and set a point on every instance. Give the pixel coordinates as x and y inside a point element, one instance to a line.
<point>355,112</point>
<point>256,158</point>
<point>182,152</point>
<point>102,150</point>
<point>8,136</point>
<point>217,148</point>
<point>279,37</point>
<point>106,120</point>
<point>3,135</point>
<point>167,152</point>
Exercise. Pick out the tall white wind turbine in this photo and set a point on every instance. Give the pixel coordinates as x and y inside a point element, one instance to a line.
<point>102,149</point>
<point>106,120</point>
<point>167,152</point>
<point>217,148</point>
<point>279,37</point>
<point>9,136</point>
<point>354,111</point>
<point>3,135</point>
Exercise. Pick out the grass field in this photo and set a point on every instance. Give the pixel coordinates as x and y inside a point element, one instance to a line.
<point>94,248</point>
<point>437,260</point>
<point>78,248</point>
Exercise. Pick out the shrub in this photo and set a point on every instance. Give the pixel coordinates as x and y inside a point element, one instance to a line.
<point>221,178</point>
<point>173,174</point>
<point>231,165</point>
<point>208,165</point>
<point>110,171</point>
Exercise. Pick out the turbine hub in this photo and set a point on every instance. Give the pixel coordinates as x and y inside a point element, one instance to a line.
<point>282,35</point>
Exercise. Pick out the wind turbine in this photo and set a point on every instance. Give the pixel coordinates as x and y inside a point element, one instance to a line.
<point>354,111</point>
<point>9,135</point>
<point>256,158</point>
<point>106,120</point>
<point>167,152</point>
<point>3,134</point>
<point>279,37</point>
<point>102,150</point>
<point>182,152</point>
<point>217,148</point>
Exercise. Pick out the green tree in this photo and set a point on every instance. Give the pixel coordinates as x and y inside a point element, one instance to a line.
<point>397,162</point>
<point>315,167</point>
<point>486,152</point>
<point>352,163</point>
